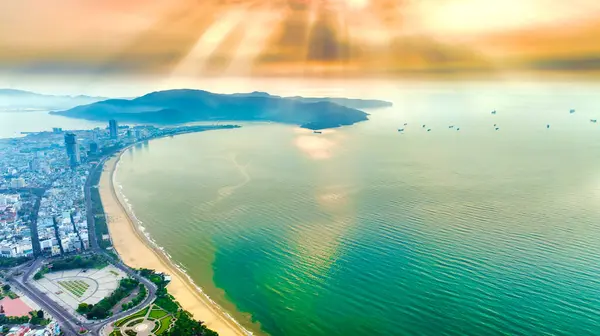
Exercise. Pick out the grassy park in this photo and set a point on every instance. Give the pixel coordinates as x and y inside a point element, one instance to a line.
<point>75,287</point>
<point>160,318</point>
<point>165,316</point>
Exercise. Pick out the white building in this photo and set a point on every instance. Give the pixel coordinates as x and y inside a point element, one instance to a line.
<point>14,250</point>
<point>46,244</point>
<point>17,183</point>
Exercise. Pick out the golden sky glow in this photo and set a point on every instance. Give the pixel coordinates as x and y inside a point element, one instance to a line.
<point>331,38</point>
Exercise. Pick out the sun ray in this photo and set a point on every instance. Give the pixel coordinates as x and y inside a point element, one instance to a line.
<point>288,40</point>
<point>196,60</point>
<point>161,47</point>
<point>193,38</point>
<point>256,39</point>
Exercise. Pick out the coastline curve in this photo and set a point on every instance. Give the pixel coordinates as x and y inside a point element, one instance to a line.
<point>137,249</point>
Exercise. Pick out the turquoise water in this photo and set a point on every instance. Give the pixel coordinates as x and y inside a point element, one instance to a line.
<point>367,231</point>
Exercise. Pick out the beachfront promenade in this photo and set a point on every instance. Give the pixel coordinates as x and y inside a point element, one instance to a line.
<point>134,250</point>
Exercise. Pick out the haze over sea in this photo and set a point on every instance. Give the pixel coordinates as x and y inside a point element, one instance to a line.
<point>365,230</point>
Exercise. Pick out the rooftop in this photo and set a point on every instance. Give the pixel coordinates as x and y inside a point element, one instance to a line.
<point>15,307</point>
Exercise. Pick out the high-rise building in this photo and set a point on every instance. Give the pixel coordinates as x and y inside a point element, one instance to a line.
<point>72,149</point>
<point>113,127</point>
<point>34,164</point>
<point>93,147</point>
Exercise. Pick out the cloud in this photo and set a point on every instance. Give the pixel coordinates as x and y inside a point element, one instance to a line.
<point>298,38</point>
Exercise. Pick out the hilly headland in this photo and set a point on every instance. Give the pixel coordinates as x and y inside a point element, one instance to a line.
<point>186,105</point>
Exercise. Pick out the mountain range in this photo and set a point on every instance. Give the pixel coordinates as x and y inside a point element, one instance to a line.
<point>11,99</point>
<point>186,105</point>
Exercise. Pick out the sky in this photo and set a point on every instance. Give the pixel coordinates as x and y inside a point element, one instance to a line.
<point>180,40</point>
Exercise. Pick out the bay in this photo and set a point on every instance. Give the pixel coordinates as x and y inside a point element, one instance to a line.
<point>12,123</point>
<point>463,230</point>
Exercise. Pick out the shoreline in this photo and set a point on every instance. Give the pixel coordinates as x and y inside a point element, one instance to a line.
<point>137,250</point>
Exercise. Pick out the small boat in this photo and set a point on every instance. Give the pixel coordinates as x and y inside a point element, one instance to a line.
<point>400,129</point>
<point>572,111</point>
<point>548,126</point>
<point>494,112</point>
<point>593,120</point>
<point>318,132</point>
<point>458,128</point>
<point>450,126</point>
<point>494,125</point>
<point>423,126</point>
<point>429,130</point>
<point>497,128</point>
<point>405,124</point>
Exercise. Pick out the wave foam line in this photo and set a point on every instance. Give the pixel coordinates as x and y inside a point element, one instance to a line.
<point>131,213</point>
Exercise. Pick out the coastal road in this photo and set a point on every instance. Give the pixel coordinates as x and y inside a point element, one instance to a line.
<point>71,324</point>
<point>150,286</point>
<point>95,329</point>
<point>91,221</point>
<point>68,323</point>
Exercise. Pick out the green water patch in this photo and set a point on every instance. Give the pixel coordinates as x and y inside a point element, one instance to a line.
<point>367,231</point>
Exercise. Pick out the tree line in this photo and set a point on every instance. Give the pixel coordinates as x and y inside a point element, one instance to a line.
<point>102,309</point>
<point>185,325</point>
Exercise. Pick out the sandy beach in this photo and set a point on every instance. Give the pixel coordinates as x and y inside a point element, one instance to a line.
<point>136,251</point>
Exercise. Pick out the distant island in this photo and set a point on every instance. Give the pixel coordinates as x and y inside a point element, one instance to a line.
<point>11,99</point>
<point>185,105</point>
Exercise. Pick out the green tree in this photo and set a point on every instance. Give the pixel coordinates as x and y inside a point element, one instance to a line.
<point>186,326</point>
<point>40,314</point>
<point>83,308</point>
<point>6,287</point>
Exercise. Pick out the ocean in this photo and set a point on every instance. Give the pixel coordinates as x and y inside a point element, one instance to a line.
<point>12,123</point>
<point>488,224</point>
<point>365,230</point>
